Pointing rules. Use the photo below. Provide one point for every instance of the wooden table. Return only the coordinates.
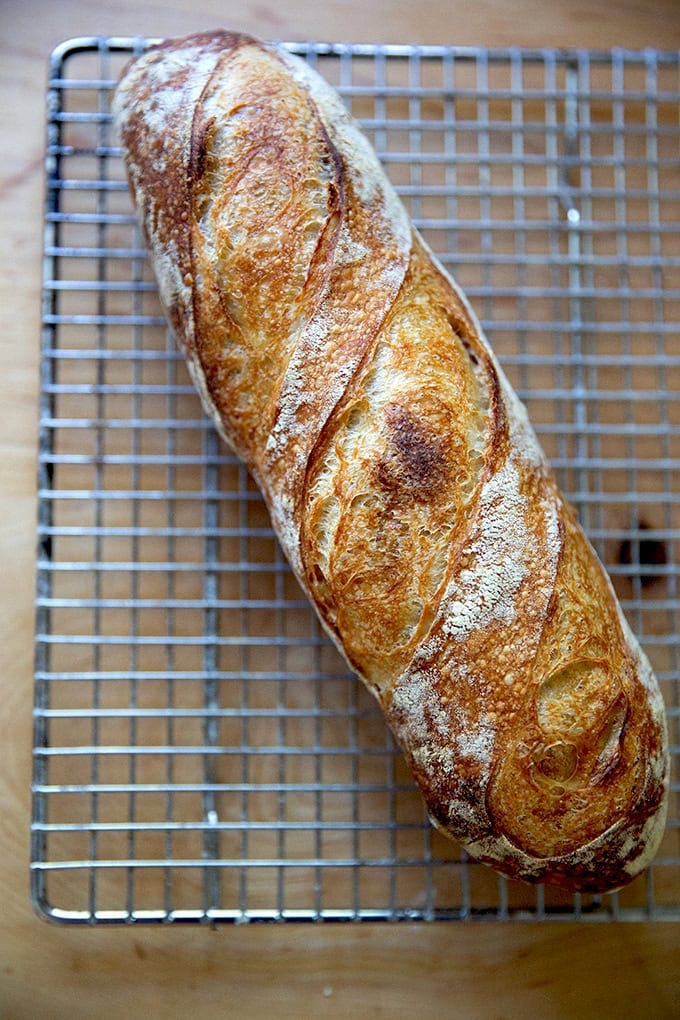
(490, 970)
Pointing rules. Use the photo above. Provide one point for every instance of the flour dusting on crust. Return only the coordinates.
(440, 747)
(485, 591)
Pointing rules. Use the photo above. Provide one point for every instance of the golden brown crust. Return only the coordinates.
(405, 483)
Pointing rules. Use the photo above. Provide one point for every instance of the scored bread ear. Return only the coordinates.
(404, 481)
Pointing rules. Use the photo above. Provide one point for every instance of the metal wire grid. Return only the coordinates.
(201, 753)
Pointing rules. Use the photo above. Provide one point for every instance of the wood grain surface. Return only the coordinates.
(474, 970)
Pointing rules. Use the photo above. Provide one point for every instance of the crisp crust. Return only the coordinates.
(404, 481)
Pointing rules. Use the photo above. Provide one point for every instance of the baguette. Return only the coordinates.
(408, 491)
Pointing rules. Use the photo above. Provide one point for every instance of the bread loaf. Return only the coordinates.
(343, 365)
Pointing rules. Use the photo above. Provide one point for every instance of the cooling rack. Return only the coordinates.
(201, 752)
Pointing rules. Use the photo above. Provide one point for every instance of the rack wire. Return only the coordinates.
(201, 753)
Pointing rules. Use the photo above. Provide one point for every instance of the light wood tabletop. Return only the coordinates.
(423, 970)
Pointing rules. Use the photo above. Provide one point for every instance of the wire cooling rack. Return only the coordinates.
(201, 752)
